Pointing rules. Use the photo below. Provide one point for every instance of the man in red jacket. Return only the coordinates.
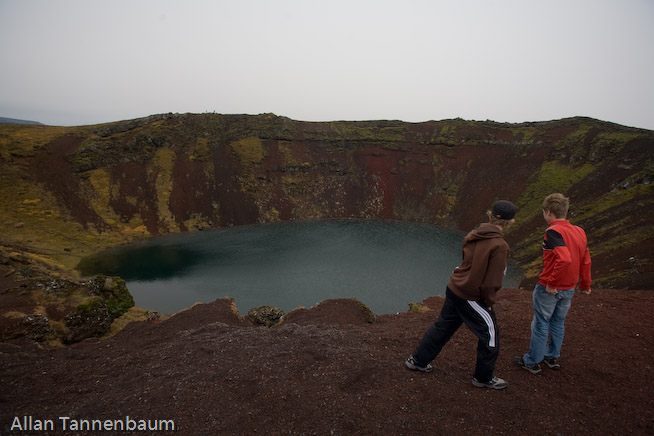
(566, 261)
(470, 296)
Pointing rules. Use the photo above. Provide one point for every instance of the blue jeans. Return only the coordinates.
(549, 317)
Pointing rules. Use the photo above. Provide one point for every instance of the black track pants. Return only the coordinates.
(480, 321)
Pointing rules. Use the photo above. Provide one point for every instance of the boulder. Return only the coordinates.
(114, 292)
(90, 320)
(265, 315)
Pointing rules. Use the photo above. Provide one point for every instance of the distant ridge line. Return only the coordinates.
(17, 121)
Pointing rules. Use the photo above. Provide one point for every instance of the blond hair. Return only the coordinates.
(505, 224)
(557, 204)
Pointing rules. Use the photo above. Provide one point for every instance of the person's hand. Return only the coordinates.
(551, 291)
(586, 291)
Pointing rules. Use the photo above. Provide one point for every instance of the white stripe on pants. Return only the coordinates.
(487, 318)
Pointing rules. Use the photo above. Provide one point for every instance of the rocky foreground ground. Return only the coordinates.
(328, 371)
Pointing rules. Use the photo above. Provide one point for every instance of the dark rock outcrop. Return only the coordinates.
(90, 320)
(114, 292)
(55, 310)
(265, 315)
(33, 327)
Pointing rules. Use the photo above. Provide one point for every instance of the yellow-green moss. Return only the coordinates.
(30, 217)
(101, 184)
(446, 135)
(615, 198)
(552, 177)
(132, 315)
(162, 169)
(114, 292)
(200, 151)
(437, 162)
(197, 221)
(527, 133)
(370, 316)
(362, 132)
(89, 305)
(418, 308)
(271, 216)
(286, 151)
(576, 137)
(23, 139)
(610, 238)
(614, 140)
(249, 151)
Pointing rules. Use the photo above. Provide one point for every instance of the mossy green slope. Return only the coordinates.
(71, 191)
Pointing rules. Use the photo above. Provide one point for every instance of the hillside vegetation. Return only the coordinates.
(70, 191)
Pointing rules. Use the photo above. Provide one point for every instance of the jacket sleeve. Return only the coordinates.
(585, 271)
(497, 262)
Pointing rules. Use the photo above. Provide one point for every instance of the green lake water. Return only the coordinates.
(384, 264)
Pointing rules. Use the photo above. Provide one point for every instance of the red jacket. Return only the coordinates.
(566, 258)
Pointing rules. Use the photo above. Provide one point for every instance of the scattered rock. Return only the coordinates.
(33, 327)
(91, 320)
(55, 285)
(265, 315)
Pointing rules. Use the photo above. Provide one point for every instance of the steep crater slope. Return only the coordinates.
(68, 192)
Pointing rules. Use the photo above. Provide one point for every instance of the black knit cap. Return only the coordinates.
(504, 210)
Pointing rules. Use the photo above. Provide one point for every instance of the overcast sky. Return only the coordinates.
(74, 62)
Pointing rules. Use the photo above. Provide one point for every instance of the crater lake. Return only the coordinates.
(384, 264)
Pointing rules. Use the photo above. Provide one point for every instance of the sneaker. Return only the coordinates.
(534, 369)
(494, 383)
(552, 363)
(411, 363)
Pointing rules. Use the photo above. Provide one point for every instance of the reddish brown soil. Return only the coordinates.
(326, 371)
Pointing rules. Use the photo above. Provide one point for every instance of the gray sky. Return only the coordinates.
(73, 62)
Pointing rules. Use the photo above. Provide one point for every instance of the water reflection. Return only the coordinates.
(143, 263)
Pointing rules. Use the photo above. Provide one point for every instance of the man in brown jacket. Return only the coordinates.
(469, 298)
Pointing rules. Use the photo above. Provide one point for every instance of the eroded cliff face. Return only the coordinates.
(68, 192)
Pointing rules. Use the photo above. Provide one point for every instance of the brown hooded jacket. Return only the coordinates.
(482, 270)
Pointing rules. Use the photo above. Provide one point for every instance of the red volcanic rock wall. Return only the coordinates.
(171, 173)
